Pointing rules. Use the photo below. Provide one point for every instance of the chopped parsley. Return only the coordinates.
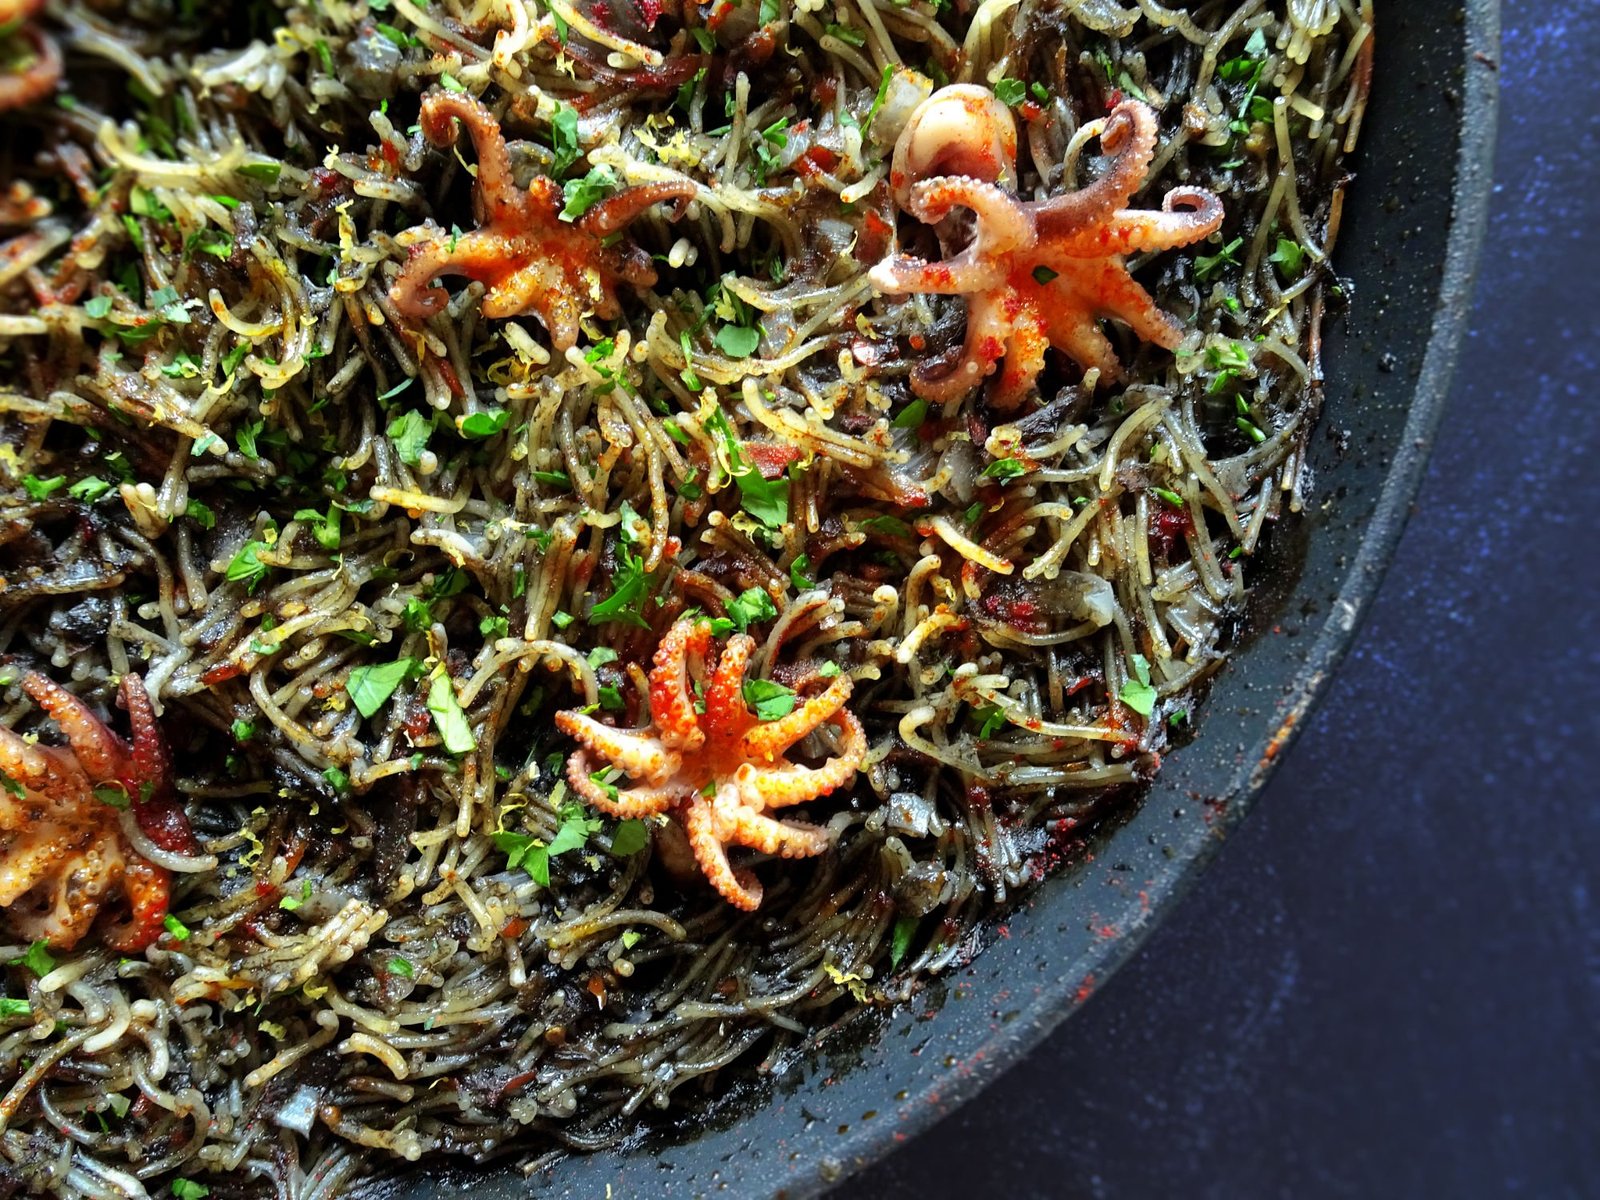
(295, 900)
(369, 687)
(912, 415)
(630, 588)
(738, 341)
(1010, 92)
(1137, 693)
(1207, 265)
(247, 567)
(1005, 468)
(583, 194)
(37, 959)
(750, 606)
(905, 928)
(409, 432)
(484, 424)
(40, 489)
(631, 837)
(1290, 258)
(564, 139)
(767, 500)
(448, 716)
(768, 700)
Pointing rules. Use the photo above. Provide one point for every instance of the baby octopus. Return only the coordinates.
(719, 773)
(63, 854)
(528, 256)
(1036, 274)
(30, 63)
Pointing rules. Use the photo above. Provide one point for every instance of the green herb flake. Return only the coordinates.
(768, 700)
(583, 194)
(247, 567)
(767, 500)
(751, 606)
(1137, 693)
(293, 901)
(905, 928)
(1005, 468)
(37, 959)
(1207, 265)
(402, 967)
(10, 1006)
(630, 586)
(575, 828)
(409, 432)
(264, 172)
(1290, 258)
(112, 795)
(991, 719)
(448, 717)
(1010, 92)
(484, 424)
(912, 415)
(888, 526)
(1043, 275)
(369, 687)
(176, 927)
(631, 837)
(188, 1189)
(40, 489)
(564, 139)
(738, 341)
(797, 573)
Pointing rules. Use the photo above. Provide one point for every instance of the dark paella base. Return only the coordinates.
(1416, 218)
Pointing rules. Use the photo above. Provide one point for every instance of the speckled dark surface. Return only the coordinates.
(1389, 982)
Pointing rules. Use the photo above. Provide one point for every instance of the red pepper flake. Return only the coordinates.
(771, 458)
(451, 379)
(815, 160)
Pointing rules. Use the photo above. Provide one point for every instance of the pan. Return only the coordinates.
(1414, 224)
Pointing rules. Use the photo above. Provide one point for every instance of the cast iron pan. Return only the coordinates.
(1411, 237)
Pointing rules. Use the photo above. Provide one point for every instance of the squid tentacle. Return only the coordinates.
(624, 803)
(739, 888)
(1129, 133)
(637, 753)
(612, 213)
(768, 740)
(671, 704)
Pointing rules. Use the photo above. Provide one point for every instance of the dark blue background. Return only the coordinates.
(1389, 983)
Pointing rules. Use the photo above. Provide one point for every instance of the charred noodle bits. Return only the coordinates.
(616, 536)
